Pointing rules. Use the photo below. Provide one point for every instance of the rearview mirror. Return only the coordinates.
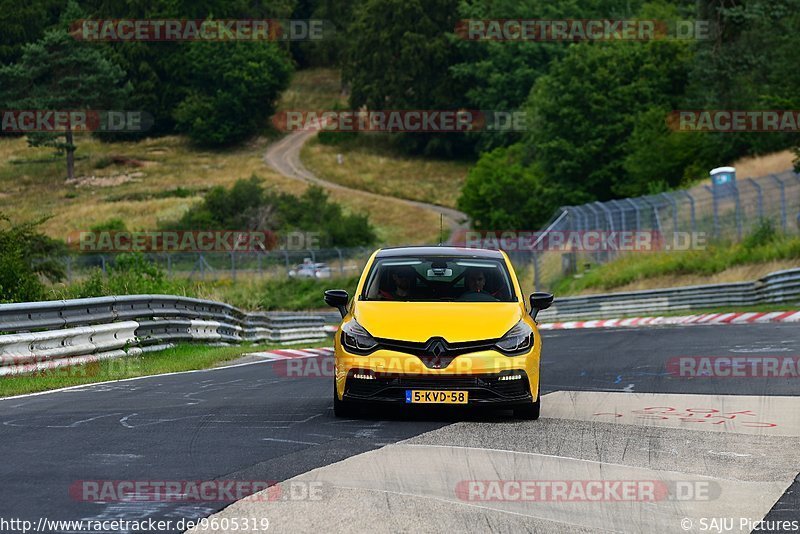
(540, 301)
(337, 298)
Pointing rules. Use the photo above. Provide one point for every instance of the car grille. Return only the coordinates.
(436, 353)
(480, 387)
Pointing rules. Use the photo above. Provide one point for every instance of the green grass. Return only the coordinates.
(715, 259)
(183, 357)
(253, 295)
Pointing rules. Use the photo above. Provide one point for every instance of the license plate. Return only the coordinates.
(436, 397)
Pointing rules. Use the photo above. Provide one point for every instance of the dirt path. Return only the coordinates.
(284, 157)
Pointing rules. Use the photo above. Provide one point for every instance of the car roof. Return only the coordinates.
(398, 252)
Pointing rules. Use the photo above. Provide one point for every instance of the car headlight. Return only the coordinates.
(517, 340)
(356, 339)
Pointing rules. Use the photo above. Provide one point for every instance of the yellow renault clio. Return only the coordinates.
(437, 325)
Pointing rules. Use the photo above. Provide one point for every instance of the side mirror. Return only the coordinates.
(540, 301)
(337, 298)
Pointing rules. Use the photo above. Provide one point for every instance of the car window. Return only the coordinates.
(439, 278)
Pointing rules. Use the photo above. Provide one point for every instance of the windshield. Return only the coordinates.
(439, 279)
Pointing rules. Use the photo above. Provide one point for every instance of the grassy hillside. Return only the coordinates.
(158, 179)
(719, 263)
(369, 163)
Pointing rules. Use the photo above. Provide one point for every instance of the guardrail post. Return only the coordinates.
(716, 211)
(341, 261)
(286, 259)
(672, 201)
(582, 219)
(609, 217)
(233, 266)
(783, 200)
(596, 227)
(103, 264)
(738, 212)
(760, 195)
(596, 216)
(621, 210)
(636, 211)
(169, 265)
(655, 213)
(692, 214)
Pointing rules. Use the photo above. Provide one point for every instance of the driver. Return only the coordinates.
(475, 280)
(475, 283)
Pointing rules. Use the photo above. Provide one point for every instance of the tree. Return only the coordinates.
(231, 90)
(583, 111)
(498, 75)
(751, 64)
(59, 73)
(398, 57)
(503, 192)
(23, 22)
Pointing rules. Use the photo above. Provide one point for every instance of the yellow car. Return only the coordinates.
(437, 325)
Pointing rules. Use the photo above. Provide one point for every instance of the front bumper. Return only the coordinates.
(478, 373)
(483, 388)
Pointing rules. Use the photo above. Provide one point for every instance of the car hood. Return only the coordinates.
(454, 321)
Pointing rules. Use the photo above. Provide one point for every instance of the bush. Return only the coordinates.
(130, 274)
(763, 233)
(27, 256)
(112, 225)
(248, 206)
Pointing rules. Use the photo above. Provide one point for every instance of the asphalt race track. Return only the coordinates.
(612, 412)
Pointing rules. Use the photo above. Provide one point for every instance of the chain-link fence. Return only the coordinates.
(321, 263)
(704, 214)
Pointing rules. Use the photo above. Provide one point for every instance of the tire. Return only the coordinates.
(341, 408)
(531, 411)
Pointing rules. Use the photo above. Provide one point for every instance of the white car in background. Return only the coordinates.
(311, 270)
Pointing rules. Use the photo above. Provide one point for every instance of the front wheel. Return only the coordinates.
(341, 408)
(530, 411)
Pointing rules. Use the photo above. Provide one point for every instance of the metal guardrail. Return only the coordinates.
(37, 335)
(781, 287)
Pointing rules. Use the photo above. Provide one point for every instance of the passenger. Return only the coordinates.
(403, 278)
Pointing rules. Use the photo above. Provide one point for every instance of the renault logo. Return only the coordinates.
(438, 348)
